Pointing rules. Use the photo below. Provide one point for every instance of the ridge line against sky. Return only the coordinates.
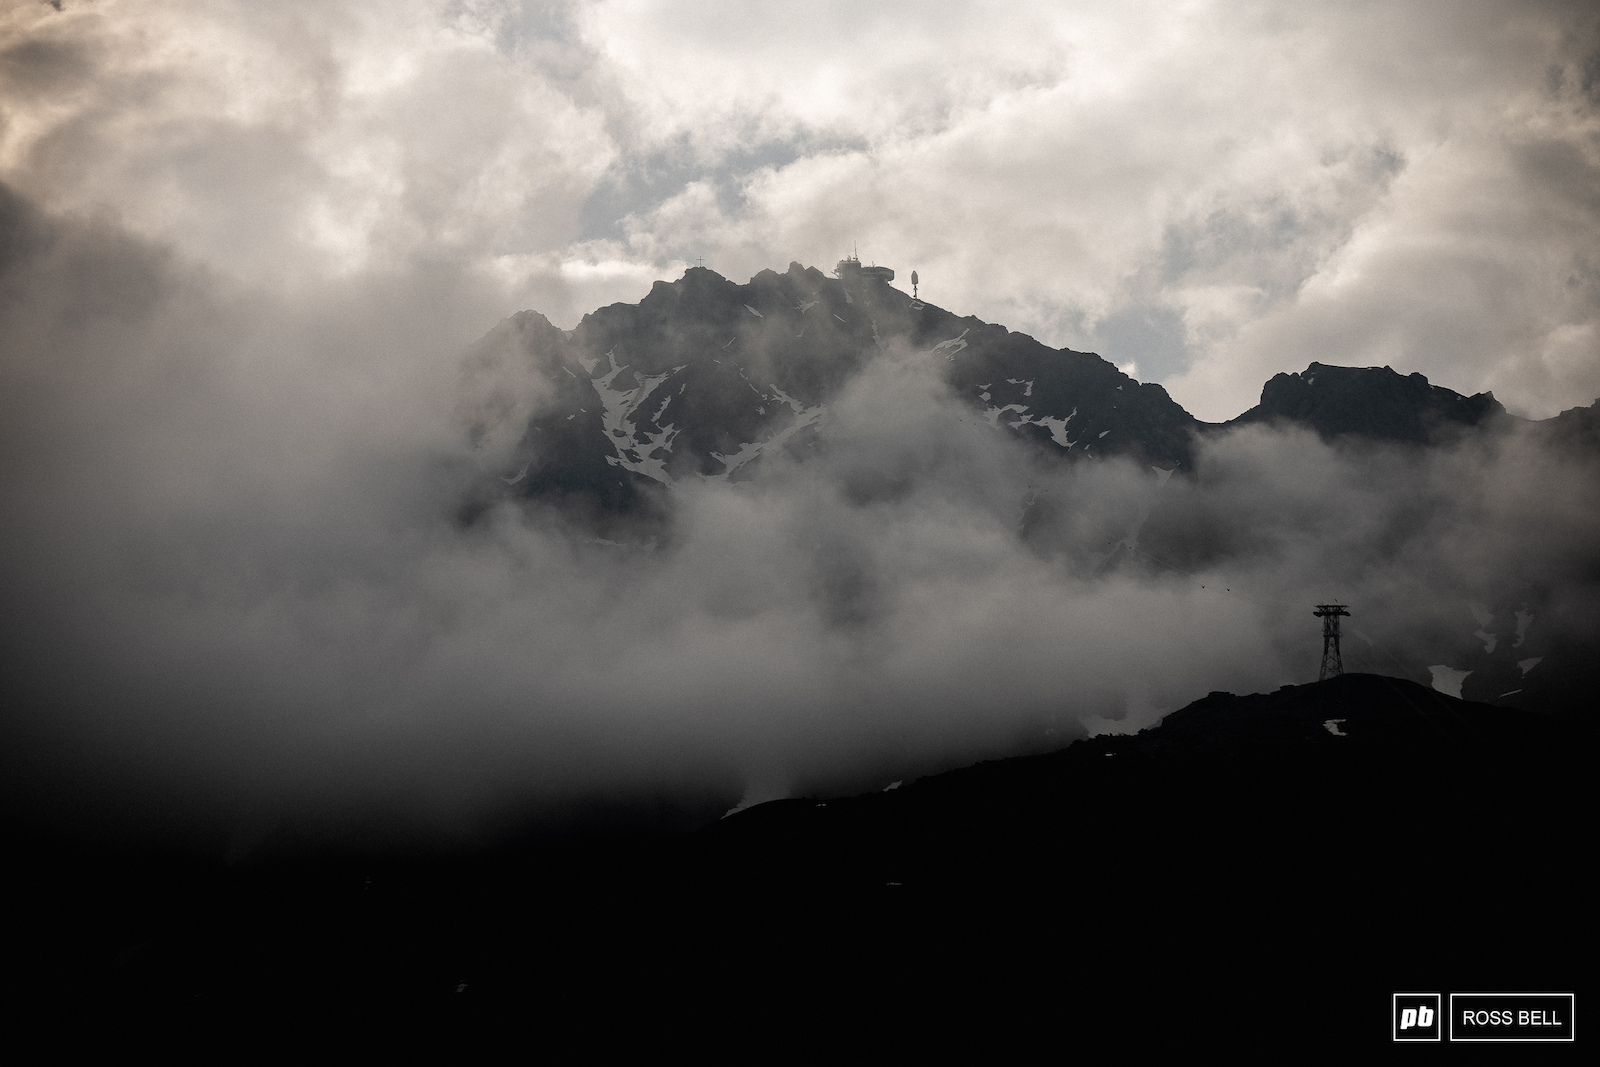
(1206, 194)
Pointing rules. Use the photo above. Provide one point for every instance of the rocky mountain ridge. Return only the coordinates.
(704, 377)
(1377, 403)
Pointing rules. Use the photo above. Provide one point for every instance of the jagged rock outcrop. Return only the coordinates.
(1375, 403)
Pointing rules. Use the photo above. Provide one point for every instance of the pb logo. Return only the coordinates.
(1410, 1017)
(1416, 1017)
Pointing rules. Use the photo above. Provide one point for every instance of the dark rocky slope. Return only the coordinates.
(1241, 874)
(1375, 403)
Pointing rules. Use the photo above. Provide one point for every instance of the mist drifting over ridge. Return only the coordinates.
(242, 600)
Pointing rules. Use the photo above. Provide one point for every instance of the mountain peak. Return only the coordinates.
(704, 377)
(1372, 402)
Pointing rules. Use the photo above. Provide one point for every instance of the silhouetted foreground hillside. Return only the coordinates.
(1265, 868)
(1296, 856)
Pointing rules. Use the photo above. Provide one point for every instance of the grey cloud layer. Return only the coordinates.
(1359, 186)
(237, 595)
(244, 246)
(1213, 194)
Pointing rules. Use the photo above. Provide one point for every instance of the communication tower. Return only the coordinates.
(1330, 615)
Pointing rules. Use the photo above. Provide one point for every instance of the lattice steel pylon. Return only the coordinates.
(1331, 664)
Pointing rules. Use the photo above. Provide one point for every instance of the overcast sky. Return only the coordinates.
(244, 247)
(1213, 192)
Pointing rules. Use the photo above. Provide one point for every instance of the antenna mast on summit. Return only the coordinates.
(1331, 663)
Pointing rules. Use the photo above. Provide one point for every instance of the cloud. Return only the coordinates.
(1476, 270)
(1220, 171)
(290, 147)
(244, 249)
(238, 595)
(1214, 193)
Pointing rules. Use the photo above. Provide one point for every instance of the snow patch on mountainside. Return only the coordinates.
(1447, 680)
(648, 458)
(1056, 426)
(993, 414)
(794, 405)
(754, 450)
(954, 345)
